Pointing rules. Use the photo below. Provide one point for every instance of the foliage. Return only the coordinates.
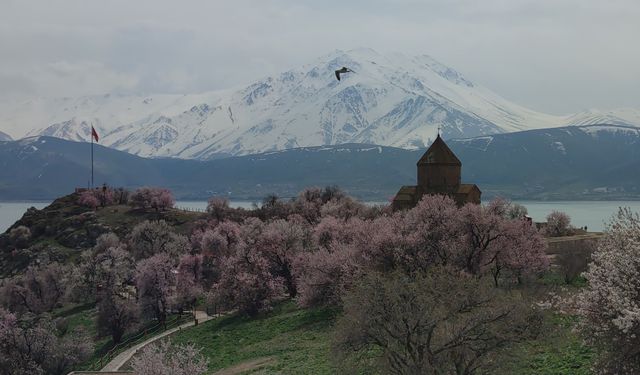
(218, 208)
(610, 304)
(34, 347)
(153, 237)
(151, 197)
(116, 316)
(558, 224)
(188, 281)
(477, 240)
(164, 359)
(108, 267)
(246, 282)
(40, 289)
(20, 236)
(154, 282)
(104, 196)
(281, 242)
(440, 322)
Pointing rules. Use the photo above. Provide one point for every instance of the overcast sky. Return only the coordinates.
(557, 56)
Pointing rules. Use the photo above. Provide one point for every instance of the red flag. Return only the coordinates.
(94, 134)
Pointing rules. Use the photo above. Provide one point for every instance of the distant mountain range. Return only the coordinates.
(581, 162)
(5, 137)
(390, 100)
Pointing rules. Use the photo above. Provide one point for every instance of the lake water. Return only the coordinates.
(12, 211)
(591, 214)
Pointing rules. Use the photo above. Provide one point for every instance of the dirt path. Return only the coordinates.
(246, 366)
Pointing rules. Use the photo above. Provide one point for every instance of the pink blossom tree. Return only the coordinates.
(154, 281)
(189, 281)
(343, 207)
(117, 314)
(112, 272)
(93, 198)
(38, 348)
(165, 359)
(610, 303)
(492, 243)
(282, 242)
(308, 204)
(88, 198)
(152, 237)
(162, 200)
(218, 208)
(107, 265)
(521, 252)
(150, 197)
(246, 282)
(326, 274)
(430, 234)
(40, 289)
(558, 224)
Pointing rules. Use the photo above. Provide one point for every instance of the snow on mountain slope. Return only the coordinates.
(64, 117)
(391, 100)
(624, 116)
(5, 137)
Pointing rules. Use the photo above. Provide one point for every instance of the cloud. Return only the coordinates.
(66, 79)
(552, 55)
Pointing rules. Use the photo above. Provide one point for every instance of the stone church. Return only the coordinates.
(439, 172)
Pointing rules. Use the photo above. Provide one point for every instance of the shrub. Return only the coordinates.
(152, 237)
(164, 359)
(155, 281)
(40, 289)
(93, 198)
(440, 322)
(149, 197)
(38, 348)
(558, 224)
(610, 304)
(20, 236)
(218, 208)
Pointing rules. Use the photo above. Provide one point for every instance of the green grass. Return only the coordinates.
(298, 340)
(557, 351)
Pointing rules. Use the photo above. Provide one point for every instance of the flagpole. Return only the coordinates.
(92, 157)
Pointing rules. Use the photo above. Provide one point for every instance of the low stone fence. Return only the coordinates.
(570, 255)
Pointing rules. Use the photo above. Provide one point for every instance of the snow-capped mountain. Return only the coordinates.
(391, 100)
(5, 137)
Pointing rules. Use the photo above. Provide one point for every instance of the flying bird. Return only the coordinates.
(343, 70)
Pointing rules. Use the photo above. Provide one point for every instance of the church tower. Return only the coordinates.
(439, 169)
(439, 172)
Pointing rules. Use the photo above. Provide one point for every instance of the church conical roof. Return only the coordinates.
(439, 153)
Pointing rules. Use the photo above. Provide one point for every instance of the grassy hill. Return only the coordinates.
(289, 340)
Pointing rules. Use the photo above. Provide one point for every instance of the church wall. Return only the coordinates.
(439, 176)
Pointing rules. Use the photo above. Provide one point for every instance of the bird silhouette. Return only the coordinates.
(343, 70)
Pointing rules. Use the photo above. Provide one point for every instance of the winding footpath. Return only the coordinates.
(119, 361)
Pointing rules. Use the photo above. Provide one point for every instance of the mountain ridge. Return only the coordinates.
(585, 162)
(393, 100)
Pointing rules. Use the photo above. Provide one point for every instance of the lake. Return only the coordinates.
(592, 214)
(12, 211)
